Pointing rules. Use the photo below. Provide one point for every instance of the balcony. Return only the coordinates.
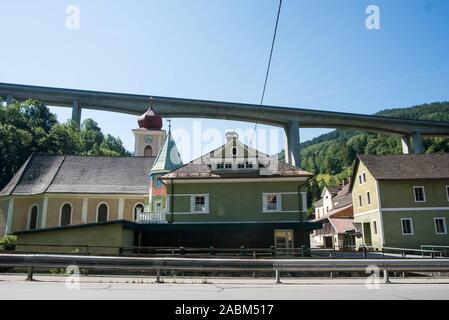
(151, 217)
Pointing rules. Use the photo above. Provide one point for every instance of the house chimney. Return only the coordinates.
(230, 136)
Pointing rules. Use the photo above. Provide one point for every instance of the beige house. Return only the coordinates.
(335, 213)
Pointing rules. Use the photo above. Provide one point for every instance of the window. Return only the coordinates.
(407, 226)
(158, 207)
(234, 152)
(440, 226)
(139, 208)
(447, 192)
(66, 215)
(368, 198)
(32, 218)
(364, 177)
(420, 194)
(283, 239)
(102, 212)
(148, 151)
(249, 165)
(158, 183)
(375, 227)
(228, 165)
(200, 204)
(360, 179)
(272, 203)
(241, 166)
(360, 201)
(220, 166)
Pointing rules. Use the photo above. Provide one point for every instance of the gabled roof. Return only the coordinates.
(407, 166)
(341, 226)
(201, 168)
(168, 158)
(43, 173)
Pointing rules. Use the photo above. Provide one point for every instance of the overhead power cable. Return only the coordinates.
(269, 65)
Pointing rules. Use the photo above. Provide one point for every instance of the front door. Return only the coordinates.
(367, 234)
(283, 241)
(328, 243)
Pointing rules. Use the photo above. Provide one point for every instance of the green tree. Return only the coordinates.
(29, 127)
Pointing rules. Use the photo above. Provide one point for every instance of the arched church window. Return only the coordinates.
(148, 152)
(102, 213)
(139, 208)
(66, 215)
(32, 224)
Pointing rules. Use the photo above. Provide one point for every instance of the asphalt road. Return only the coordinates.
(49, 288)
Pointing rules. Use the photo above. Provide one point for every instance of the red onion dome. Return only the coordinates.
(150, 120)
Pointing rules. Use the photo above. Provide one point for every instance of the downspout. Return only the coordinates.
(300, 200)
(172, 202)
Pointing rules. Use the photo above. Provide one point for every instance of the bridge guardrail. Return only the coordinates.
(234, 265)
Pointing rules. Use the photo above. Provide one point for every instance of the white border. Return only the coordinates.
(435, 224)
(71, 213)
(98, 207)
(29, 216)
(423, 191)
(411, 225)
(134, 209)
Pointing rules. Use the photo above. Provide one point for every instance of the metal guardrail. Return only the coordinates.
(407, 252)
(141, 251)
(234, 265)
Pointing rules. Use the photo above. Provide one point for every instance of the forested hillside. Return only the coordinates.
(30, 127)
(332, 155)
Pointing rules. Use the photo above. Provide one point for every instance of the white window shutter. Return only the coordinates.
(279, 202)
(167, 203)
(304, 201)
(264, 203)
(206, 203)
(192, 204)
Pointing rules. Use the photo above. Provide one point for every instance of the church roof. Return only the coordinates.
(43, 173)
(168, 158)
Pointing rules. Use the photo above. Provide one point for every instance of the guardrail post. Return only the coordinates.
(158, 276)
(211, 251)
(386, 278)
(278, 277)
(182, 251)
(242, 251)
(30, 273)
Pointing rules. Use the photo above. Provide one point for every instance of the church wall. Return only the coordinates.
(21, 211)
(3, 215)
(54, 210)
(128, 213)
(93, 204)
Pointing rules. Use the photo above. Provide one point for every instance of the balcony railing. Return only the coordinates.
(151, 217)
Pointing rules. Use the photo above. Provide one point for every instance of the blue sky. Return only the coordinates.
(325, 57)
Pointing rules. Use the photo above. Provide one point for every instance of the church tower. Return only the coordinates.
(167, 160)
(150, 136)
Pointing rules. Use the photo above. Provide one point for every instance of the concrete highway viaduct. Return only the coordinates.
(291, 119)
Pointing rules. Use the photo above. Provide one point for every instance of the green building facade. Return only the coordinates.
(402, 201)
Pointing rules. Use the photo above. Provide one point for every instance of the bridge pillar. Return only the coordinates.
(76, 112)
(406, 145)
(9, 99)
(418, 143)
(292, 147)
